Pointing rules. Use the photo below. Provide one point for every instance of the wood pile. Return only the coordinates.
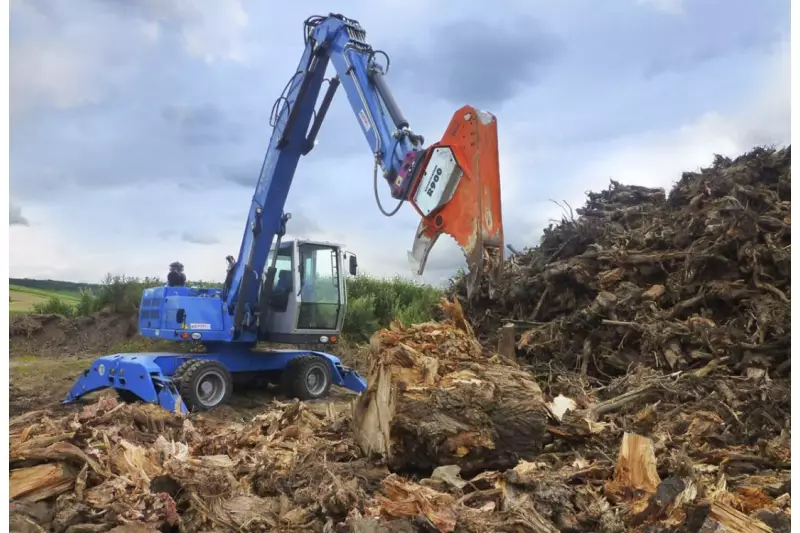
(649, 452)
(647, 391)
(700, 277)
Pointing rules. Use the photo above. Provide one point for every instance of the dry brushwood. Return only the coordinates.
(674, 283)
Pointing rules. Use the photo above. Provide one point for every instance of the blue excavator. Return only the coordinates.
(292, 292)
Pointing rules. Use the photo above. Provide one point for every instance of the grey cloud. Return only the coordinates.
(473, 61)
(41, 8)
(679, 58)
(50, 67)
(244, 176)
(212, 30)
(682, 44)
(194, 237)
(15, 217)
(302, 225)
(202, 125)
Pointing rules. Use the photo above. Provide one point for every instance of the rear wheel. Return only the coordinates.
(205, 384)
(178, 374)
(308, 377)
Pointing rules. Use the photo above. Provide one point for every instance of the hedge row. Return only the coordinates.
(372, 302)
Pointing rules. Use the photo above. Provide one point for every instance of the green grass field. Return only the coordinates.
(24, 298)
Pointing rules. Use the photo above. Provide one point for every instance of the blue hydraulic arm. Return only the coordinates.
(398, 153)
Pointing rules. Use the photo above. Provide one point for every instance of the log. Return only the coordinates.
(40, 482)
(506, 346)
(435, 399)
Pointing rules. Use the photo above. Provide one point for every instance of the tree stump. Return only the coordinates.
(434, 398)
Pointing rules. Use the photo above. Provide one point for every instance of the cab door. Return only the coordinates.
(321, 294)
(279, 314)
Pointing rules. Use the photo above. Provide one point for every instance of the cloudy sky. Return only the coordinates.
(138, 127)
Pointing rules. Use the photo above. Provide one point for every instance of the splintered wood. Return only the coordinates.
(40, 482)
(435, 398)
(635, 471)
(297, 468)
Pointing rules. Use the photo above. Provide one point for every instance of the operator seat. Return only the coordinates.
(283, 288)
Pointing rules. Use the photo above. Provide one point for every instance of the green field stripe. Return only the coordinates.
(64, 295)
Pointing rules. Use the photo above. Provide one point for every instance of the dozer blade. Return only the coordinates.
(458, 193)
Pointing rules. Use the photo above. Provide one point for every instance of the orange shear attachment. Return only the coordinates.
(457, 192)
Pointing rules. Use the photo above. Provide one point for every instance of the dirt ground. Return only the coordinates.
(40, 382)
(57, 336)
(48, 352)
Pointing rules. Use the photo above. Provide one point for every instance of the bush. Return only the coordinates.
(122, 294)
(87, 304)
(372, 303)
(54, 306)
(360, 321)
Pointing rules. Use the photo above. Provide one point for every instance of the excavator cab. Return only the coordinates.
(307, 301)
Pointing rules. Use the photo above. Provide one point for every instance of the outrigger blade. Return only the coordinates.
(458, 193)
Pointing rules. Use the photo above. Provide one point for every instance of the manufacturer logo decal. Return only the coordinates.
(364, 120)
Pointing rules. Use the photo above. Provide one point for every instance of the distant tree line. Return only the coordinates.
(53, 285)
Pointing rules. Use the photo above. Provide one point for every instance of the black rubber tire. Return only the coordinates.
(180, 371)
(191, 377)
(297, 373)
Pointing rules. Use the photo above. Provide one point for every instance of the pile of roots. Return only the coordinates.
(674, 283)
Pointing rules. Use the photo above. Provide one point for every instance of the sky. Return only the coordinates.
(138, 127)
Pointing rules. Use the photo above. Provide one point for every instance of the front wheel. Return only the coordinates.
(205, 384)
(308, 377)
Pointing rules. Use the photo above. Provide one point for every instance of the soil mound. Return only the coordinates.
(55, 335)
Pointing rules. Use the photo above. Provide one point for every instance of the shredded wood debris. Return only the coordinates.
(649, 392)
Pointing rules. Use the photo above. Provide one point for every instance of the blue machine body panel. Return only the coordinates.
(158, 313)
(147, 375)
